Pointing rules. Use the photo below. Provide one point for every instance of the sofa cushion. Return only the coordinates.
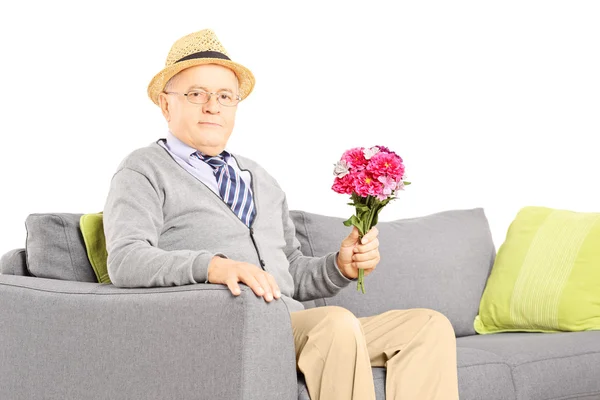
(481, 375)
(546, 277)
(379, 375)
(562, 365)
(92, 230)
(439, 261)
(13, 262)
(55, 248)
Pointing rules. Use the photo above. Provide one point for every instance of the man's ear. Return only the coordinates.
(163, 102)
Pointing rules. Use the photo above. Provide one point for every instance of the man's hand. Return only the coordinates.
(353, 255)
(230, 272)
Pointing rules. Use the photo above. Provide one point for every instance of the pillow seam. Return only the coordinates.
(69, 247)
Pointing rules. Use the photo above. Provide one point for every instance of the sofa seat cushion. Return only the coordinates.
(545, 365)
(378, 380)
(439, 261)
(481, 375)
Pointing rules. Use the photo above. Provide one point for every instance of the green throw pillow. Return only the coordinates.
(92, 230)
(546, 276)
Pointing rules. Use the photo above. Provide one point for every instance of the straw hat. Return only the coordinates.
(202, 47)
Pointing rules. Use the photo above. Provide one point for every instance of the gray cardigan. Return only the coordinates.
(163, 226)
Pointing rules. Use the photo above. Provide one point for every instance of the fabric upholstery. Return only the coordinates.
(14, 262)
(481, 375)
(168, 342)
(562, 365)
(79, 340)
(55, 248)
(425, 262)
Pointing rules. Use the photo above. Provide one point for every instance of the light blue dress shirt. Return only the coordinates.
(182, 153)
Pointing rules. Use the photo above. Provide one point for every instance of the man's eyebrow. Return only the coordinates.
(202, 87)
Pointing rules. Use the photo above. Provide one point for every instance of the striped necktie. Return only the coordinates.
(232, 187)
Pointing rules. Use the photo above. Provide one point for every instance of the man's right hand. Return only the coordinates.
(230, 272)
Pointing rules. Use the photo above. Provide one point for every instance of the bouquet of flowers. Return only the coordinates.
(372, 176)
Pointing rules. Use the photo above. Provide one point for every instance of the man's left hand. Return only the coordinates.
(354, 255)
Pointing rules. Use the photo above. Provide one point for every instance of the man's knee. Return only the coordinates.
(435, 319)
(342, 320)
(441, 322)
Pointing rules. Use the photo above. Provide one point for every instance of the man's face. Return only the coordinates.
(189, 122)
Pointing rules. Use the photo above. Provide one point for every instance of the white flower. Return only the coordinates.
(371, 152)
(341, 168)
(400, 185)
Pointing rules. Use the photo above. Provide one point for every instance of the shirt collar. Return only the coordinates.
(182, 150)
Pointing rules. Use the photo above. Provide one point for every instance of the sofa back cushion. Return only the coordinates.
(13, 262)
(55, 248)
(439, 261)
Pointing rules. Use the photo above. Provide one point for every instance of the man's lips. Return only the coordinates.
(209, 123)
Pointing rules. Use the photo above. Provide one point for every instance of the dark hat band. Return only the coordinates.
(204, 54)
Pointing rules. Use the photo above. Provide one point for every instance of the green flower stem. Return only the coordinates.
(365, 226)
(367, 210)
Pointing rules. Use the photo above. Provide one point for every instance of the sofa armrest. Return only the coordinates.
(81, 340)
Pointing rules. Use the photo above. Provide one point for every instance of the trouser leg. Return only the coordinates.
(332, 354)
(418, 348)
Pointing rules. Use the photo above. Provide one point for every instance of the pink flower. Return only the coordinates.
(355, 158)
(341, 169)
(370, 152)
(344, 185)
(386, 150)
(365, 184)
(386, 164)
(389, 185)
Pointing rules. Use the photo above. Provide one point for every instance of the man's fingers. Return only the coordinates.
(261, 282)
(233, 287)
(366, 265)
(274, 286)
(369, 236)
(363, 248)
(250, 280)
(369, 255)
(264, 282)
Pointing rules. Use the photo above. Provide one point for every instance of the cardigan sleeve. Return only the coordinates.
(314, 277)
(133, 221)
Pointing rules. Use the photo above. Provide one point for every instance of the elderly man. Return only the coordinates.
(183, 210)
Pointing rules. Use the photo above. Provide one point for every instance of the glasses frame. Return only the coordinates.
(210, 94)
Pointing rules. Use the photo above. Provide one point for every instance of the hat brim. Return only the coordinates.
(157, 84)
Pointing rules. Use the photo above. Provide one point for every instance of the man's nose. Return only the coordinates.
(212, 105)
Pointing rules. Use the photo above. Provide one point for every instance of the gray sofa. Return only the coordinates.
(65, 336)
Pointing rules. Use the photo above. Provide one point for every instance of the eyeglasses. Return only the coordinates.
(198, 96)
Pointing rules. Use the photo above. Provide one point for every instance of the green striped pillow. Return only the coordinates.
(92, 230)
(546, 276)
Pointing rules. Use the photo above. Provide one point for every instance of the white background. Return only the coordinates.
(491, 104)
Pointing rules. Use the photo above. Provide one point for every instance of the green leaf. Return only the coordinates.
(362, 207)
(353, 220)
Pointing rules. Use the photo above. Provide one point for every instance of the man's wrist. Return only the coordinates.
(338, 265)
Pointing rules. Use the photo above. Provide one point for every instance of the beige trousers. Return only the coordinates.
(335, 351)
